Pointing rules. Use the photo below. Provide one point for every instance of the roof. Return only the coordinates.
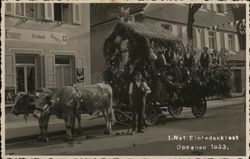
(147, 30)
(202, 18)
(104, 12)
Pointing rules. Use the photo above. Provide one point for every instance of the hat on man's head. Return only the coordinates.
(205, 48)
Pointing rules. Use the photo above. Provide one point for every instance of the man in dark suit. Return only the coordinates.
(205, 59)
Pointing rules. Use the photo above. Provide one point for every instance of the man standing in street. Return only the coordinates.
(138, 91)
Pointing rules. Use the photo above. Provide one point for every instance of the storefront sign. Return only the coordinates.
(36, 36)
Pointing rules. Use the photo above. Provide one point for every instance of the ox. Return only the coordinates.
(69, 102)
(26, 104)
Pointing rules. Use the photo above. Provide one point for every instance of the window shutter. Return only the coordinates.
(10, 70)
(206, 39)
(38, 71)
(224, 8)
(40, 10)
(184, 34)
(175, 32)
(214, 7)
(222, 41)
(76, 14)
(49, 71)
(79, 61)
(218, 41)
(49, 11)
(236, 40)
(198, 38)
(208, 6)
(194, 38)
(226, 41)
(9, 8)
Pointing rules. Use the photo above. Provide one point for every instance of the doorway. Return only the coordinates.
(63, 70)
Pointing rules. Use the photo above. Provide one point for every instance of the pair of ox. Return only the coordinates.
(67, 103)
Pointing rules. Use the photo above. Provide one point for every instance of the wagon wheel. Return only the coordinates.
(151, 115)
(175, 111)
(199, 109)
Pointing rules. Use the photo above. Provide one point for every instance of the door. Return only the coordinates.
(238, 81)
(63, 68)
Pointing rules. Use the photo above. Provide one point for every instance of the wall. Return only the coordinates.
(78, 40)
(97, 37)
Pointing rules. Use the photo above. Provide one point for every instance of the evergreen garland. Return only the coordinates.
(169, 83)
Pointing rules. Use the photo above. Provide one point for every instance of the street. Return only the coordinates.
(220, 132)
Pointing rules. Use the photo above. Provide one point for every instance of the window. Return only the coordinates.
(219, 8)
(26, 73)
(212, 40)
(20, 9)
(25, 59)
(167, 27)
(30, 10)
(231, 42)
(62, 59)
(63, 12)
(58, 12)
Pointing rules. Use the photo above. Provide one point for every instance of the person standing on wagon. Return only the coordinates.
(138, 91)
(205, 59)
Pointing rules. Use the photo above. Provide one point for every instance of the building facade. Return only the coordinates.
(172, 17)
(46, 45)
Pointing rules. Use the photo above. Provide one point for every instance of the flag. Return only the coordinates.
(193, 8)
(241, 30)
(239, 14)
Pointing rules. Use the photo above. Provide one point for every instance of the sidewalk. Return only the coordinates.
(16, 127)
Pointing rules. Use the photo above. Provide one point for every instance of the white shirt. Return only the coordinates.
(144, 87)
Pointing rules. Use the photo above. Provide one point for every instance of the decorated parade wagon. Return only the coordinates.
(142, 47)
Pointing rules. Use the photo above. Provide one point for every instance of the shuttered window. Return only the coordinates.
(62, 12)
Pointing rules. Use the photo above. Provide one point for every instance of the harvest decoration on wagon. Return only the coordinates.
(176, 79)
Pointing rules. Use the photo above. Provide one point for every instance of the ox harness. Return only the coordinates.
(45, 110)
